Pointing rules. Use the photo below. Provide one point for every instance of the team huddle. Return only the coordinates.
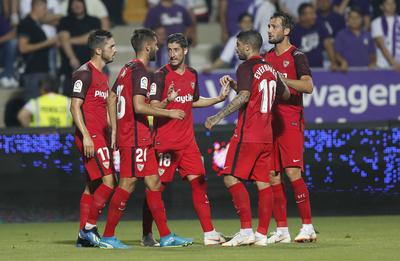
(268, 138)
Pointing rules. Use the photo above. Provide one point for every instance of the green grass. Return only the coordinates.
(339, 238)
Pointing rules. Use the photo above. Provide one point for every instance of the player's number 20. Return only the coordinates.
(268, 89)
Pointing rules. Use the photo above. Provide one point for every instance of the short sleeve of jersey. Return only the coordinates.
(159, 85)
(141, 81)
(81, 81)
(301, 63)
(244, 76)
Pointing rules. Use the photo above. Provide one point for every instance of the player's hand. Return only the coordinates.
(224, 92)
(212, 121)
(172, 94)
(113, 140)
(177, 114)
(88, 146)
(227, 80)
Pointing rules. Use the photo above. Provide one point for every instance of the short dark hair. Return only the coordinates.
(302, 7)
(178, 38)
(356, 10)
(251, 37)
(140, 37)
(243, 15)
(287, 20)
(35, 2)
(97, 39)
(49, 84)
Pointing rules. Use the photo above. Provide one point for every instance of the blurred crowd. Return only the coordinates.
(44, 41)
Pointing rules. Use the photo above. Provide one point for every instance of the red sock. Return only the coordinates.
(115, 210)
(279, 209)
(156, 206)
(241, 201)
(147, 217)
(100, 197)
(265, 205)
(201, 203)
(86, 202)
(302, 199)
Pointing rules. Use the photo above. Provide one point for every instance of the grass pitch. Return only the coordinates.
(339, 239)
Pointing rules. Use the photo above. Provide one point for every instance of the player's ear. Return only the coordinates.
(286, 31)
(98, 51)
(185, 51)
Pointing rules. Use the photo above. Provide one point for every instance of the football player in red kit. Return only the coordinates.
(288, 129)
(249, 153)
(131, 134)
(174, 140)
(89, 111)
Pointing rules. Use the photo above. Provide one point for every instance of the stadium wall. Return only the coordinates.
(350, 169)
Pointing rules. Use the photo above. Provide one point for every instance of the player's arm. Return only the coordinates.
(88, 146)
(205, 102)
(282, 88)
(240, 100)
(112, 113)
(226, 80)
(304, 84)
(141, 107)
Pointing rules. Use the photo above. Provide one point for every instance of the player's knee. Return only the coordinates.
(153, 182)
(127, 184)
(229, 181)
(274, 178)
(109, 181)
(293, 174)
(262, 185)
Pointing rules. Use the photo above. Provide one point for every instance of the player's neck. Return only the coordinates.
(143, 58)
(282, 47)
(98, 63)
(180, 69)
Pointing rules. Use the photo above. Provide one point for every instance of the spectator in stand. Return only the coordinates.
(10, 11)
(386, 33)
(343, 6)
(115, 10)
(34, 47)
(262, 14)
(162, 53)
(313, 38)
(228, 57)
(292, 6)
(74, 30)
(95, 8)
(8, 53)
(354, 46)
(50, 109)
(175, 18)
(229, 12)
(49, 25)
(333, 21)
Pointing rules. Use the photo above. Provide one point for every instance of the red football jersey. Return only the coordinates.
(132, 129)
(254, 121)
(169, 133)
(292, 64)
(91, 85)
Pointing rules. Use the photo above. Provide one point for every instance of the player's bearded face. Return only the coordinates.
(109, 50)
(176, 54)
(275, 31)
(241, 50)
(153, 50)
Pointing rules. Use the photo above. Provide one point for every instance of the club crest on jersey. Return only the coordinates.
(140, 166)
(144, 82)
(106, 164)
(161, 171)
(192, 84)
(286, 63)
(78, 86)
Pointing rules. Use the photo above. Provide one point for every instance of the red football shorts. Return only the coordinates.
(137, 162)
(100, 165)
(248, 161)
(188, 161)
(288, 148)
